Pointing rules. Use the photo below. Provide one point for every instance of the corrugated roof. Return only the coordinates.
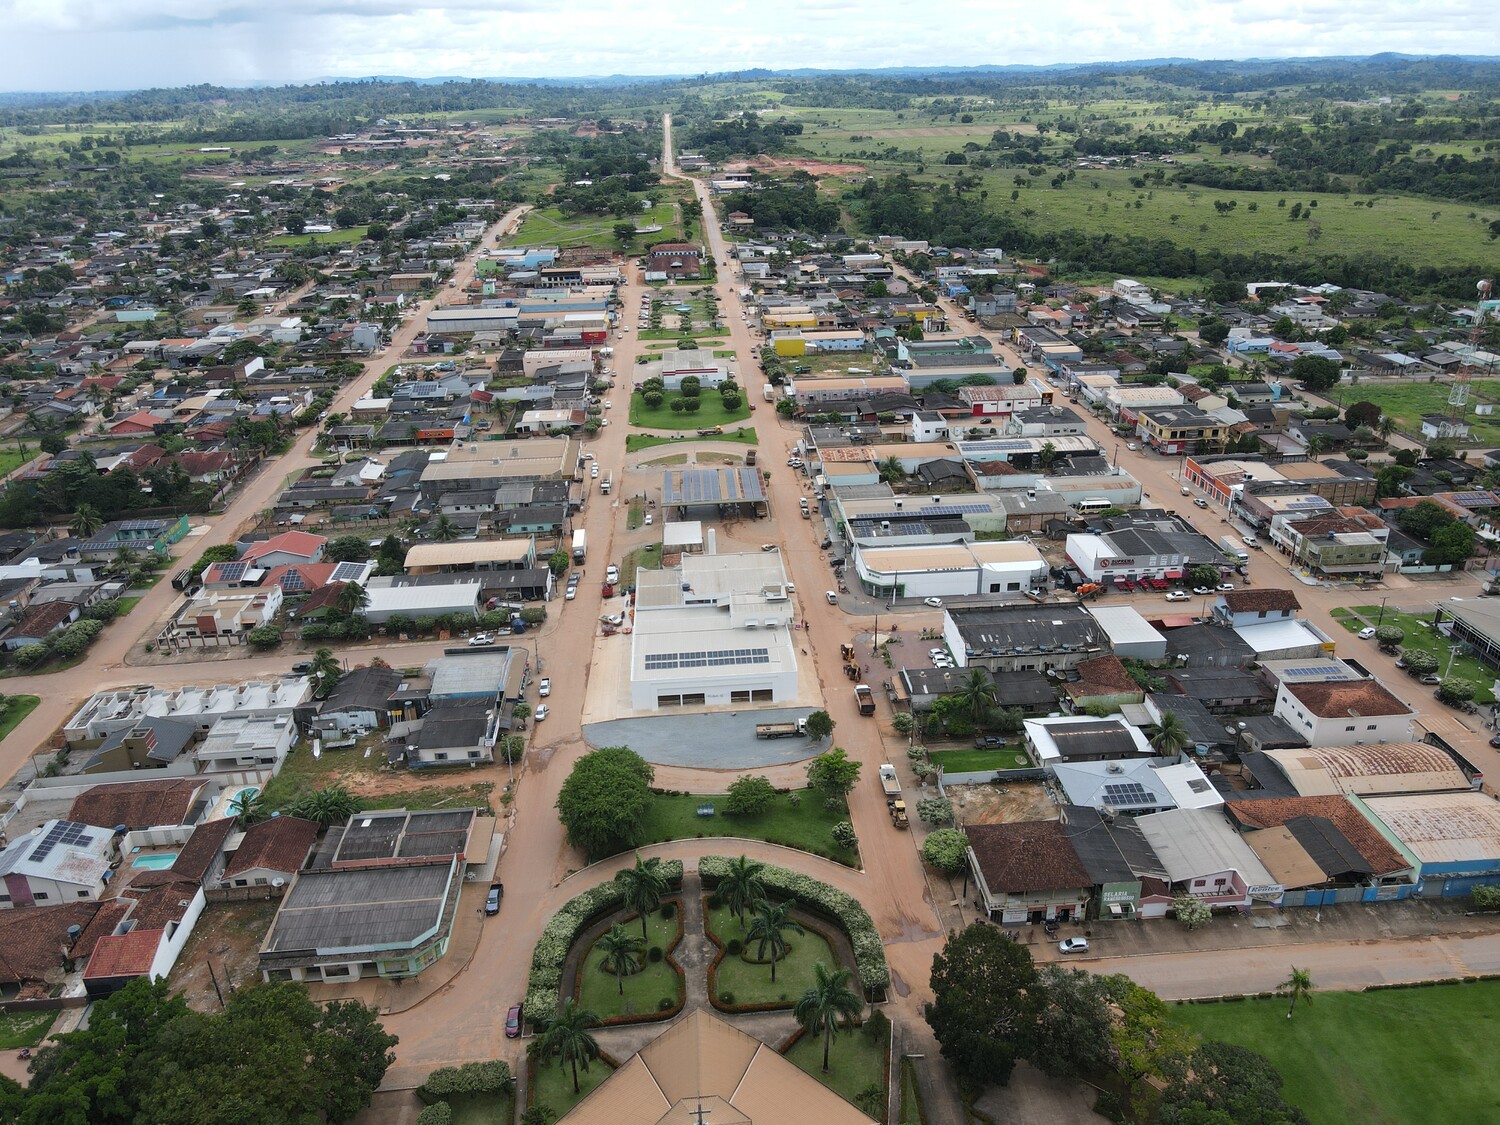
(1441, 828)
(1373, 769)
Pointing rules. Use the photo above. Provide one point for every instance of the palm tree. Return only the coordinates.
(333, 804)
(324, 672)
(621, 950)
(1047, 454)
(1169, 737)
(891, 470)
(352, 597)
(1298, 986)
(249, 807)
(741, 888)
(977, 697)
(445, 530)
(567, 1037)
(643, 886)
(768, 928)
(86, 521)
(827, 1004)
(1316, 445)
(1387, 425)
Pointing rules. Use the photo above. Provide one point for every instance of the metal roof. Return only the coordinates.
(369, 908)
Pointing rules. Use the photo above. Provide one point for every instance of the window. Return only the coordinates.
(39, 897)
(260, 881)
(83, 894)
(242, 882)
(1349, 727)
(473, 753)
(441, 756)
(1370, 727)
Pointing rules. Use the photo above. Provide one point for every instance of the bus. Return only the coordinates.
(1092, 504)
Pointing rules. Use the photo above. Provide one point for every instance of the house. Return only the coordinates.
(1027, 872)
(358, 702)
(1204, 857)
(456, 731)
(139, 423)
(38, 945)
(1083, 738)
(137, 805)
(237, 743)
(270, 853)
(1021, 638)
(1454, 838)
(59, 862)
(702, 1066)
(674, 261)
(1333, 713)
(288, 548)
(38, 621)
(1252, 607)
(1180, 429)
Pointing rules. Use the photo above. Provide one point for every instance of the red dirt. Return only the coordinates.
(781, 164)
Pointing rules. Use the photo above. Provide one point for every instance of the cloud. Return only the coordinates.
(115, 44)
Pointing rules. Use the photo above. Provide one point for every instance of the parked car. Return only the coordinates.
(1132, 446)
(650, 518)
(612, 574)
(1201, 590)
(1430, 678)
(480, 639)
(594, 472)
(935, 603)
(1250, 541)
(541, 713)
(833, 598)
(1367, 632)
(1178, 596)
(1199, 502)
(769, 547)
(492, 900)
(513, 1022)
(989, 743)
(1224, 587)
(1073, 945)
(571, 592)
(544, 686)
(302, 667)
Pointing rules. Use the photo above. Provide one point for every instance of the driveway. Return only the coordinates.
(713, 742)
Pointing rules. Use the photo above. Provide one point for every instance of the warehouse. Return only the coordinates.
(1020, 638)
(1131, 636)
(948, 570)
(464, 319)
(1452, 838)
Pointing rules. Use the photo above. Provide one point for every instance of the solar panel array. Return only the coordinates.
(1128, 793)
(1322, 672)
(927, 511)
(293, 582)
(1472, 499)
(232, 571)
(1014, 445)
(348, 572)
(713, 658)
(63, 834)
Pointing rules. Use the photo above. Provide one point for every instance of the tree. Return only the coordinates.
(567, 1037)
(1419, 661)
(348, 548)
(1169, 737)
(352, 598)
(604, 800)
(1389, 636)
(1218, 1082)
(985, 1005)
(521, 711)
(843, 835)
(1213, 331)
(86, 521)
(749, 795)
(558, 563)
(324, 672)
(1298, 986)
(740, 886)
(1451, 545)
(1315, 372)
(1193, 913)
(622, 951)
(1455, 690)
(1423, 519)
(1072, 1033)
(53, 443)
(820, 725)
(768, 929)
(642, 887)
(332, 804)
(1362, 413)
(444, 530)
(977, 697)
(1047, 454)
(832, 773)
(264, 637)
(935, 810)
(624, 233)
(830, 1004)
(891, 471)
(947, 849)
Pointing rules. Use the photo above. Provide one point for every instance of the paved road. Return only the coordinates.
(106, 666)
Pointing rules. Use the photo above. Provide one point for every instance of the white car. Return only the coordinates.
(612, 574)
(1178, 596)
(833, 599)
(608, 405)
(1073, 945)
(935, 603)
(478, 640)
(544, 686)
(1132, 446)
(1224, 587)
(1366, 633)
(1249, 541)
(541, 713)
(572, 592)
(594, 472)
(936, 653)
(650, 519)
(1202, 590)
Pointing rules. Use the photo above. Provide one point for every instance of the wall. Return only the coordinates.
(170, 948)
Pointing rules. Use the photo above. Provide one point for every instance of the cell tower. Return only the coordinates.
(1458, 394)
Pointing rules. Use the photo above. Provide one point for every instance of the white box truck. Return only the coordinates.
(769, 390)
(1234, 548)
(580, 545)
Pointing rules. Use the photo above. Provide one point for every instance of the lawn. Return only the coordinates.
(634, 443)
(750, 983)
(12, 459)
(1408, 400)
(710, 412)
(645, 990)
(1393, 1057)
(548, 226)
(482, 1109)
(17, 707)
(349, 235)
(303, 773)
(642, 558)
(972, 761)
(24, 1029)
(1421, 635)
(855, 1062)
(804, 825)
(554, 1084)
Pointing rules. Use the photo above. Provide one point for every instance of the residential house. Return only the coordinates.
(285, 549)
(1205, 858)
(270, 853)
(1333, 713)
(59, 862)
(1027, 872)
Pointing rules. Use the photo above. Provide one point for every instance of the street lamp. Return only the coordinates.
(1453, 650)
(1381, 616)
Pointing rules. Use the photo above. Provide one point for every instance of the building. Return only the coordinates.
(149, 803)
(1022, 638)
(948, 570)
(270, 853)
(1332, 713)
(1475, 621)
(700, 1069)
(1130, 635)
(1027, 872)
(714, 630)
(1083, 738)
(1180, 429)
(288, 548)
(358, 703)
(437, 600)
(456, 732)
(1244, 607)
(674, 261)
(1374, 770)
(1147, 545)
(1206, 858)
(237, 743)
(1454, 838)
(59, 862)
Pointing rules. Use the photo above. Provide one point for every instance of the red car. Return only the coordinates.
(513, 1022)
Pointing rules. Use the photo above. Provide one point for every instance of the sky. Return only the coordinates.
(51, 45)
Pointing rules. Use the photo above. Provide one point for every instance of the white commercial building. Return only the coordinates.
(715, 631)
(1334, 713)
(949, 570)
(436, 600)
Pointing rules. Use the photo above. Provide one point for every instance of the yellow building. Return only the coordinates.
(789, 343)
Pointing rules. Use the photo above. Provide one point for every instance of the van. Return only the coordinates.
(1092, 504)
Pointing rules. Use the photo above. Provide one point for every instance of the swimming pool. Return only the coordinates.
(238, 802)
(158, 862)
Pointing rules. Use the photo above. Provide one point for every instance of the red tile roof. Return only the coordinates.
(1254, 601)
(137, 804)
(31, 940)
(124, 955)
(294, 542)
(1033, 855)
(279, 844)
(1335, 700)
(1272, 812)
(39, 620)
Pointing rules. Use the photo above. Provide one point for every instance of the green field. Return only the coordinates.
(1407, 401)
(482, 1109)
(1421, 635)
(855, 1062)
(1397, 1057)
(644, 990)
(24, 1029)
(13, 459)
(750, 982)
(548, 226)
(804, 825)
(17, 707)
(554, 1084)
(710, 413)
(341, 237)
(303, 773)
(745, 435)
(972, 761)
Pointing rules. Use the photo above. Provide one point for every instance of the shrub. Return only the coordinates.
(654, 955)
(843, 909)
(668, 909)
(877, 1027)
(732, 947)
(438, 1114)
(843, 835)
(935, 810)
(1486, 898)
(492, 1077)
(726, 998)
(1192, 913)
(545, 980)
(714, 902)
(665, 1004)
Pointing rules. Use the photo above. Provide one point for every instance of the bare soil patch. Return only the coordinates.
(1002, 804)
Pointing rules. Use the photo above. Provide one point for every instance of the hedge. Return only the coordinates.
(543, 987)
(471, 1078)
(841, 908)
(438, 1114)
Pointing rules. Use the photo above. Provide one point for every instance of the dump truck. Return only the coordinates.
(580, 545)
(865, 698)
(781, 730)
(898, 814)
(890, 782)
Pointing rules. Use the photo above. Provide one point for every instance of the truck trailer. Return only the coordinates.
(580, 545)
(865, 698)
(890, 782)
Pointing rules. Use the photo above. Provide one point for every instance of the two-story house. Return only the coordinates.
(1238, 608)
(1332, 713)
(1180, 429)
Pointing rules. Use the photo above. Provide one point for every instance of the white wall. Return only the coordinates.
(171, 947)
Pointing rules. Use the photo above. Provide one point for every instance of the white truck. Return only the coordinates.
(890, 782)
(605, 484)
(580, 545)
(1234, 548)
(769, 390)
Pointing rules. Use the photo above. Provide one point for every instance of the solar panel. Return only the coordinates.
(348, 572)
(293, 581)
(1012, 445)
(1128, 793)
(232, 571)
(713, 658)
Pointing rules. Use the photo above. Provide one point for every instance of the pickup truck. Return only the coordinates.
(890, 782)
(865, 698)
(781, 730)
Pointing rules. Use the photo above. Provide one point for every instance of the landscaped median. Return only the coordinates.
(551, 953)
(739, 980)
(652, 988)
(822, 900)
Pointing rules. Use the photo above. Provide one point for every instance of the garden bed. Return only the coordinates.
(596, 989)
(857, 1060)
(739, 984)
